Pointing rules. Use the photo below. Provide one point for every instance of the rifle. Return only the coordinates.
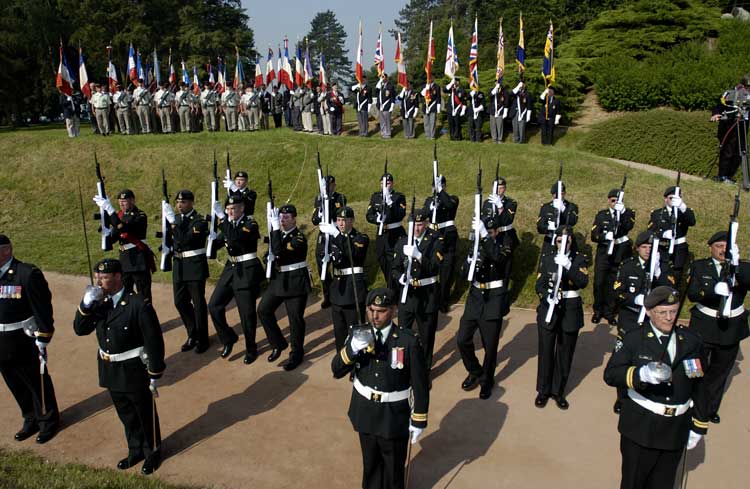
(653, 262)
(410, 242)
(166, 238)
(435, 174)
(558, 196)
(477, 215)
(214, 220)
(229, 173)
(270, 207)
(383, 192)
(495, 185)
(729, 269)
(620, 196)
(554, 294)
(675, 213)
(104, 220)
(325, 207)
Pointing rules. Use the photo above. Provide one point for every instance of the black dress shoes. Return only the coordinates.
(470, 383)
(617, 407)
(325, 304)
(188, 345)
(294, 362)
(227, 350)
(201, 348)
(46, 436)
(250, 357)
(485, 392)
(562, 403)
(612, 321)
(596, 318)
(715, 419)
(26, 432)
(128, 462)
(151, 464)
(275, 354)
(541, 400)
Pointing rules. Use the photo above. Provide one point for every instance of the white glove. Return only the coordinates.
(92, 294)
(619, 207)
(638, 300)
(463, 111)
(518, 88)
(438, 184)
(609, 236)
(558, 204)
(551, 301)
(667, 234)
(218, 210)
(450, 85)
(557, 119)
(735, 255)
(228, 183)
(648, 376)
(415, 433)
(388, 198)
(272, 215)
(693, 439)
(496, 200)
(104, 204)
(551, 226)
(412, 251)
(563, 260)
(42, 347)
(478, 226)
(402, 279)
(358, 344)
(677, 202)
(721, 288)
(528, 116)
(355, 87)
(329, 229)
(168, 212)
(544, 93)
(657, 267)
(107, 232)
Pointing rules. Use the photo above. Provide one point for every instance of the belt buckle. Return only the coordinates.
(233, 259)
(482, 285)
(376, 396)
(105, 356)
(669, 411)
(415, 282)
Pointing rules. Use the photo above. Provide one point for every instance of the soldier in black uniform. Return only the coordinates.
(423, 294)
(431, 107)
(289, 285)
(504, 208)
(559, 212)
(722, 328)
(129, 229)
(189, 231)
(130, 358)
(657, 422)
(663, 225)
(26, 328)
(486, 306)
(361, 102)
(336, 201)
(348, 272)
(497, 108)
(239, 186)
(476, 115)
(519, 113)
(441, 209)
(388, 370)
(610, 233)
(392, 212)
(548, 115)
(456, 107)
(241, 277)
(558, 337)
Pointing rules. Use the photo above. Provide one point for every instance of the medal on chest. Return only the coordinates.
(693, 368)
(11, 291)
(397, 357)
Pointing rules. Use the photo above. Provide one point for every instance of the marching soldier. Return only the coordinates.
(386, 100)
(336, 201)
(558, 336)
(456, 107)
(389, 209)
(431, 107)
(122, 101)
(101, 103)
(477, 101)
(498, 110)
(241, 278)
(142, 102)
(348, 254)
(423, 293)
(361, 102)
(289, 285)
(520, 112)
(443, 207)
(559, 212)
(660, 365)
(610, 231)
(486, 306)
(130, 358)
(239, 186)
(26, 328)
(189, 231)
(500, 205)
(663, 223)
(549, 115)
(164, 100)
(183, 101)
(409, 101)
(388, 366)
(718, 287)
(129, 229)
(230, 103)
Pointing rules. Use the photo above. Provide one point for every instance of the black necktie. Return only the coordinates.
(663, 339)
(379, 338)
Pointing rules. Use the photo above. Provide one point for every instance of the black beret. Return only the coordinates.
(670, 191)
(242, 174)
(108, 265)
(553, 189)
(380, 297)
(501, 181)
(288, 209)
(388, 177)
(345, 212)
(491, 222)
(4, 240)
(421, 215)
(662, 295)
(613, 193)
(126, 194)
(565, 229)
(646, 237)
(719, 236)
(185, 195)
(234, 198)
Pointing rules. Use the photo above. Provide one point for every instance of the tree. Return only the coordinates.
(328, 37)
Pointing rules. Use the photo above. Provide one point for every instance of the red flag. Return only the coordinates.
(359, 72)
(430, 55)
(400, 66)
(65, 79)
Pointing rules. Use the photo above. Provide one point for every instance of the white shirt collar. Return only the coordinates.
(671, 346)
(6, 267)
(116, 298)
(384, 331)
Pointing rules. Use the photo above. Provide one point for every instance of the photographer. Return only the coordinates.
(732, 116)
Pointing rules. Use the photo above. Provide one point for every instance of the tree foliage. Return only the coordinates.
(328, 37)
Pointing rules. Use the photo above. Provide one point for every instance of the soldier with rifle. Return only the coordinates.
(239, 186)
(498, 204)
(142, 103)
(610, 233)
(386, 211)
(553, 215)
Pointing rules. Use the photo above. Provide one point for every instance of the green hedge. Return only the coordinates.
(661, 137)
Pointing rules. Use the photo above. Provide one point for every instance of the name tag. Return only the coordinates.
(11, 291)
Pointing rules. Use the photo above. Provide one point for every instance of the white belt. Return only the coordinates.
(293, 266)
(241, 258)
(495, 284)
(668, 410)
(8, 327)
(502, 229)
(130, 246)
(738, 311)
(119, 357)
(423, 281)
(676, 241)
(393, 225)
(347, 271)
(377, 396)
(189, 253)
(443, 225)
(570, 294)
(621, 240)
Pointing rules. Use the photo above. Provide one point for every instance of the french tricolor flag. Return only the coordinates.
(83, 74)
(132, 68)
(65, 78)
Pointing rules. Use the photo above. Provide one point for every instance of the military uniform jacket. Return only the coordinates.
(141, 96)
(189, 232)
(376, 369)
(661, 220)
(386, 96)
(130, 228)
(362, 99)
(277, 103)
(488, 304)
(24, 293)
(335, 202)
(341, 291)
(549, 110)
(425, 299)
(288, 249)
(71, 106)
(456, 100)
(163, 98)
(715, 331)
(335, 103)
(447, 207)
(638, 348)
(409, 104)
(122, 100)
(548, 213)
(568, 312)
(229, 99)
(498, 101)
(132, 324)
(477, 104)
(632, 280)
(605, 221)
(393, 214)
(240, 239)
(249, 196)
(507, 214)
(431, 100)
(520, 106)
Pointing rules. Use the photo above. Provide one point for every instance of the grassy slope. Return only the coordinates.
(39, 200)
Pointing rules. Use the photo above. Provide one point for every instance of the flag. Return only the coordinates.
(139, 67)
(285, 75)
(221, 82)
(149, 80)
(308, 68)
(358, 71)
(379, 59)
(157, 74)
(500, 70)
(83, 77)
(196, 83)
(185, 75)
(521, 50)
(239, 73)
(132, 69)
(210, 70)
(299, 77)
(322, 74)
(279, 67)
(111, 71)
(172, 75)
(430, 56)
(65, 79)
(451, 62)
(399, 60)
(473, 61)
(270, 74)
(258, 72)
(548, 63)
